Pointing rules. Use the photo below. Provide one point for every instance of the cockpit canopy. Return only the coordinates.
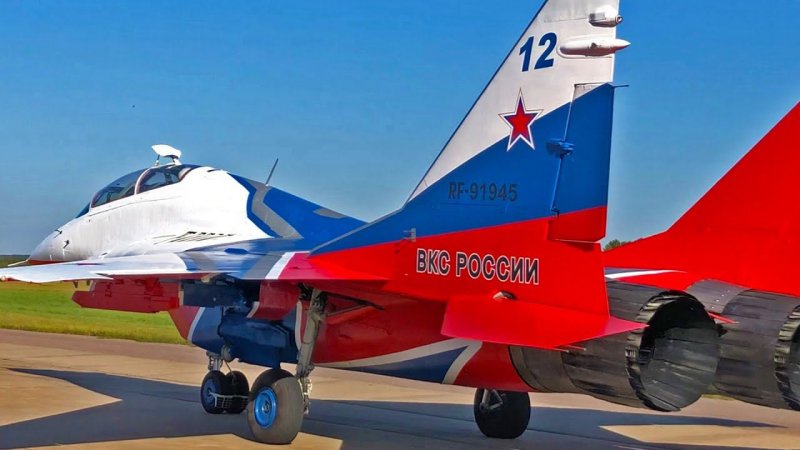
(138, 182)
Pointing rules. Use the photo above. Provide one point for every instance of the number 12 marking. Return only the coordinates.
(544, 60)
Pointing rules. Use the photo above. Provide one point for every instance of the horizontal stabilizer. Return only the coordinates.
(513, 322)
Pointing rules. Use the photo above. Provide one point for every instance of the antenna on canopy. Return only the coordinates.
(272, 171)
(167, 151)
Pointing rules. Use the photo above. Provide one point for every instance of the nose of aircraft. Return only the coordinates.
(50, 250)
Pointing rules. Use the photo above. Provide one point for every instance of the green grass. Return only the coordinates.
(11, 259)
(49, 308)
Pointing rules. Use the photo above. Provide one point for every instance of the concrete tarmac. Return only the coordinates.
(80, 392)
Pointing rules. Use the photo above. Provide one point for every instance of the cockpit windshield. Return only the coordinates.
(163, 176)
(141, 181)
(120, 188)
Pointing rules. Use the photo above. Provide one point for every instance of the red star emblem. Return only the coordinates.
(520, 122)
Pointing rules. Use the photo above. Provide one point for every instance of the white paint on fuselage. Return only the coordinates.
(164, 220)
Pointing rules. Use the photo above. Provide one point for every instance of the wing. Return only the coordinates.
(257, 260)
(100, 269)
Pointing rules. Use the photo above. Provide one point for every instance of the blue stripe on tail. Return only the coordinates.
(565, 173)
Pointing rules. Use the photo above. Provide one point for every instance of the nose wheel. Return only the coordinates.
(502, 414)
(221, 393)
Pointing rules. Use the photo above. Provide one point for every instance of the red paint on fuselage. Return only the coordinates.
(491, 367)
(145, 295)
(37, 262)
(411, 303)
(559, 264)
(406, 325)
(399, 326)
(275, 300)
(183, 317)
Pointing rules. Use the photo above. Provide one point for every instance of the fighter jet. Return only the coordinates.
(489, 276)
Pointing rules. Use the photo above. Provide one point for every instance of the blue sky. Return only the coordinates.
(357, 97)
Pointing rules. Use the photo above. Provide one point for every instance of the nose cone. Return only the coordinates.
(50, 250)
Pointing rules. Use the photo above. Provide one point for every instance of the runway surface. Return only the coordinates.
(82, 392)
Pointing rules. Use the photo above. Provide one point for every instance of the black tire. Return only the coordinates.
(508, 420)
(238, 386)
(213, 383)
(275, 409)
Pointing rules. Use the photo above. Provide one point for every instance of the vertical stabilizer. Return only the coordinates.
(745, 229)
(516, 201)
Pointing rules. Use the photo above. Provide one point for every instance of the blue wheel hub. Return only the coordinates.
(209, 389)
(265, 407)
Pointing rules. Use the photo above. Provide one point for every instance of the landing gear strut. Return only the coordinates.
(278, 400)
(316, 314)
(502, 414)
(221, 393)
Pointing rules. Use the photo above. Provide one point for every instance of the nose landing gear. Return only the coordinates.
(221, 393)
(502, 414)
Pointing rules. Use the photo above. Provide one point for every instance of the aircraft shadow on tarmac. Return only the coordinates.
(155, 409)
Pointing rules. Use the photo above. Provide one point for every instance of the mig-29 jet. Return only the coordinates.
(487, 277)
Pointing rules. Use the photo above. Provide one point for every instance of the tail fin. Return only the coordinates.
(746, 229)
(534, 145)
(521, 186)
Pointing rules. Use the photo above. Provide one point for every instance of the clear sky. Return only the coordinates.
(357, 97)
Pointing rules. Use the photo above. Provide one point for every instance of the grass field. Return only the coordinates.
(10, 259)
(48, 308)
